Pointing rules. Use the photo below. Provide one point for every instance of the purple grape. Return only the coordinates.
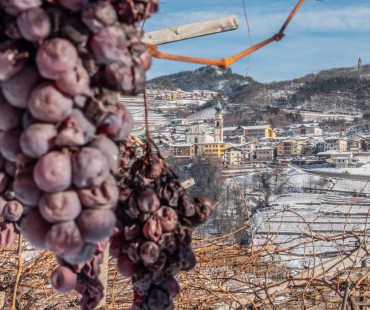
(103, 197)
(25, 189)
(75, 82)
(14, 7)
(64, 238)
(13, 211)
(11, 30)
(148, 201)
(131, 12)
(152, 229)
(168, 218)
(109, 150)
(47, 104)
(27, 119)
(96, 225)
(98, 15)
(184, 234)
(87, 252)
(3, 202)
(125, 266)
(10, 168)
(168, 243)
(118, 125)
(119, 76)
(75, 130)
(90, 168)
(132, 232)
(186, 257)
(108, 44)
(171, 286)
(55, 58)
(34, 228)
(145, 60)
(63, 279)
(203, 210)
(37, 139)
(17, 89)
(158, 299)
(158, 265)
(53, 172)
(186, 205)
(10, 144)
(73, 5)
(4, 182)
(154, 172)
(7, 234)
(133, 250)
(9, 117)
(74, 30)
(142, 280)
(12, 60)
(34, 24)
(2, 159)
(60, 206)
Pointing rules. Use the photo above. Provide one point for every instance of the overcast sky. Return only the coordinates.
(323, 35)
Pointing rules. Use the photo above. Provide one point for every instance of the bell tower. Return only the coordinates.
(219, 123)
(359, 64)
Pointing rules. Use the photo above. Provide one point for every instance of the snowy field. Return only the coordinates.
(314, 219)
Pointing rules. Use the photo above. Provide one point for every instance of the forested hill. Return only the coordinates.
(339, 89)
(208, 78)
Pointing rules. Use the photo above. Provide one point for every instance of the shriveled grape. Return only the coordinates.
(63, 279)
(55, 58)
(60, 206)
(37, 139)
(90, 168)
(96, 225)
(37, 237)
(64, 238)
(53, 172)
(47, 104)
(34, 24)
(18, 88)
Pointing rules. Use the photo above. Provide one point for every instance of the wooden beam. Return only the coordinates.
(188, 183)
(190, 31)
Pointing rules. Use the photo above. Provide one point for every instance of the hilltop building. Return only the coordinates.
(359, 64)
(218, 124)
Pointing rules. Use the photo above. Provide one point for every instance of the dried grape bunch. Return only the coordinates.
(63, 65)
(11, 210)
(156, 220)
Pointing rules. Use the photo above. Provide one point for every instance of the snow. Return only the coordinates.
(363, 170)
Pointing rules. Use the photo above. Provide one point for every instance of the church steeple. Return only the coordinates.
(218, 107)
(359, 64)
(219, 123)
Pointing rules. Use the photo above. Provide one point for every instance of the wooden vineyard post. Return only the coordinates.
(103, 276)
(174, 34)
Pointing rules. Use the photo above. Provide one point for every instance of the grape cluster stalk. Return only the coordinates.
(70, 178)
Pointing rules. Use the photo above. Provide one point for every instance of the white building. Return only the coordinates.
(336, 144)
(198, 134)
(306, 129)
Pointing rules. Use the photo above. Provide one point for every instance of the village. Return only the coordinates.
(203, 134)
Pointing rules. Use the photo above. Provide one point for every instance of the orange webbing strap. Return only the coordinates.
(223, 63)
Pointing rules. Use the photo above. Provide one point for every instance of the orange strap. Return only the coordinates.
(223, 63)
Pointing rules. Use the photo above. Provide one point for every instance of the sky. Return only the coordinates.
(324, 34)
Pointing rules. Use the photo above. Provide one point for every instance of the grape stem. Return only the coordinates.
(147, 131)
(223, 63)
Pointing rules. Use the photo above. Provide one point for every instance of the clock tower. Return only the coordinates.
(219, 124)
